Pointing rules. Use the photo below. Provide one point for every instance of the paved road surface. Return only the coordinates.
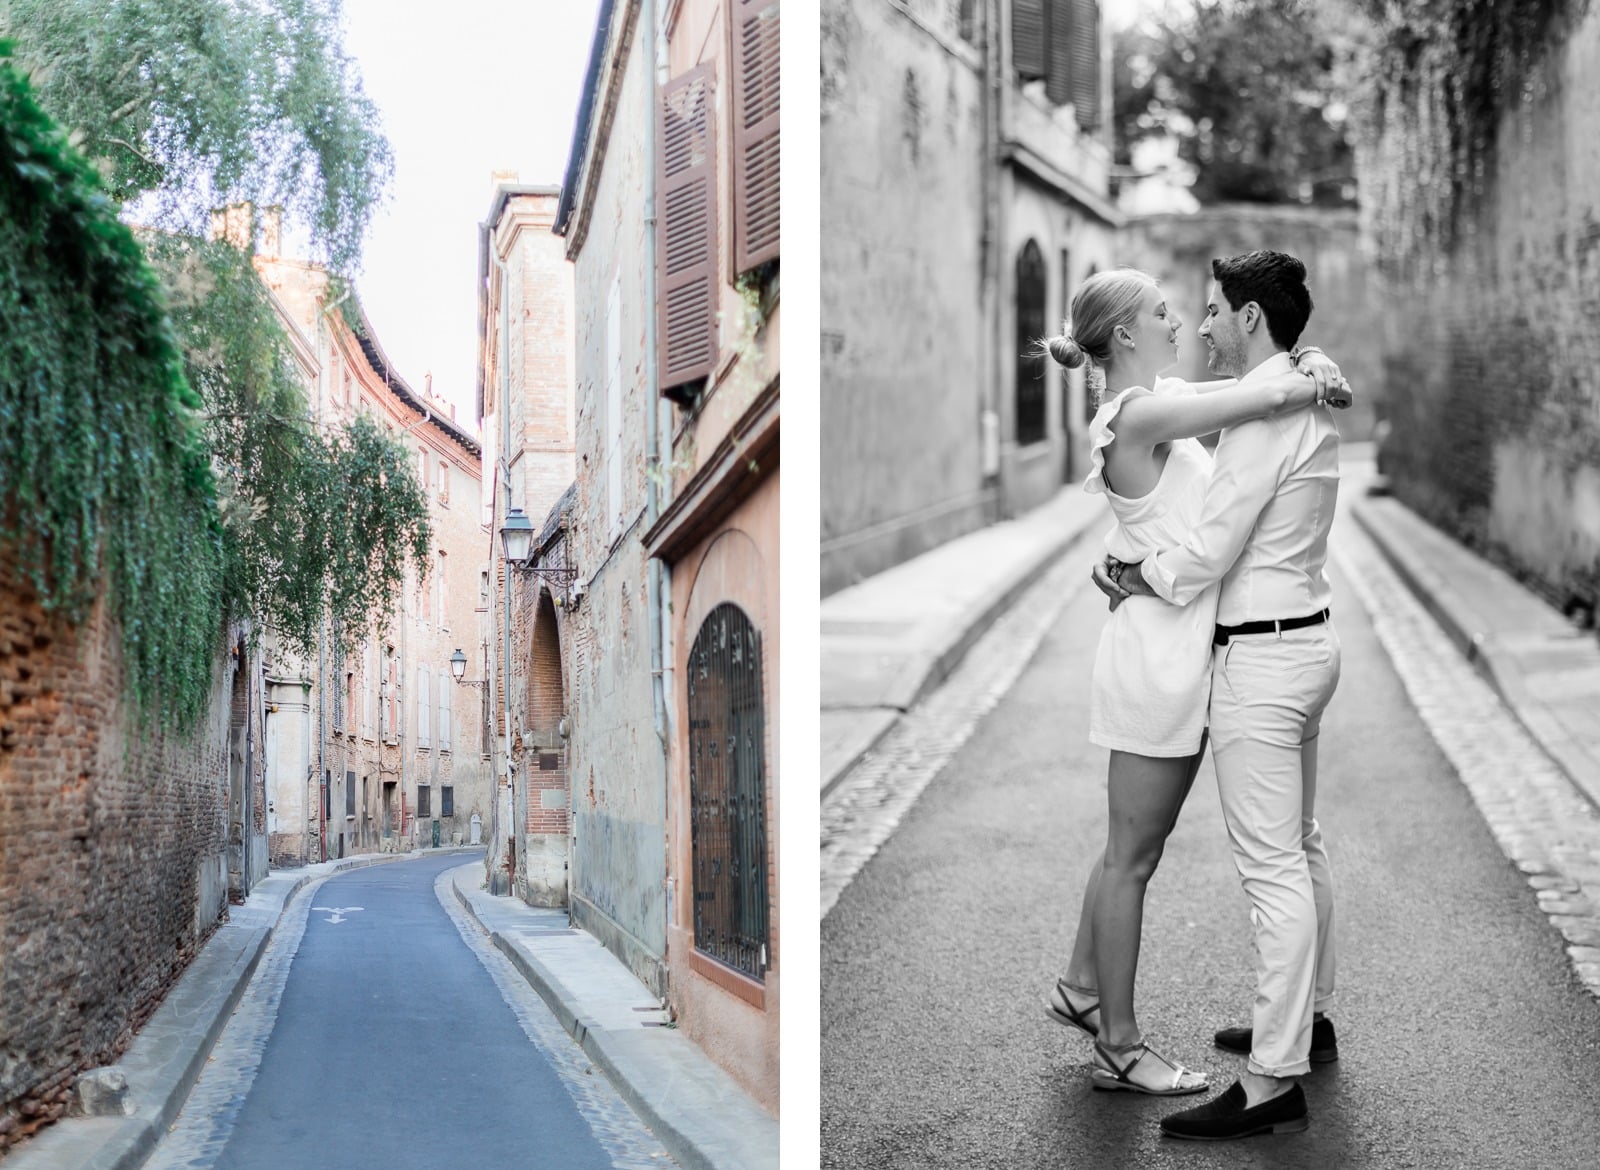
(382, 1030)
(1466, 1041)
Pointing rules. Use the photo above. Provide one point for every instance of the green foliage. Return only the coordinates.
(1443, 73)
(316, 523)
(198, 104)
(104, 474)
(1251, 89)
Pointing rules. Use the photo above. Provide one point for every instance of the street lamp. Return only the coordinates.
(516, 537)
(458, 670)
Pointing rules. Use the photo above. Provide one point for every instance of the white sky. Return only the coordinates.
(465, 87)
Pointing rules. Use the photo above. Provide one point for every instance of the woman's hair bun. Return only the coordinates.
(1065, 351)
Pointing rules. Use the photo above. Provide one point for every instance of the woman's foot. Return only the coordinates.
(1139, 1068)
(1075, 1007)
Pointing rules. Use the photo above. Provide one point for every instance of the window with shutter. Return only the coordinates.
(422, 707)
(686, 250)
(1030, 389)
(1029, 50)
(1086, 62)
(1061, 66)
(753, 27)
(444, 711)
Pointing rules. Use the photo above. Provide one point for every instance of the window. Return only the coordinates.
(727, 792)
(394, 698)
(422, 468)
(327, 794)
(614, 505)
(447, 800)
(349, 794)
(1059, 41)
(443, 616)
(422, 706)
(686, 254)
(424, 801)
(444, 482)
(339, 684)
(446, 686)
(966, 18)
(369, 681)
(1030, 391)
(753, 27)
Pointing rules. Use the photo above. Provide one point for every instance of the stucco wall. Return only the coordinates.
(1490, 362)
(733, 1018)
(902, 309)
(617, 768)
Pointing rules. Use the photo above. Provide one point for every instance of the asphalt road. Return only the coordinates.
(1465, 1039)
(379, 1038)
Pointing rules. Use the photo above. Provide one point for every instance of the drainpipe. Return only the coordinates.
(653, 428)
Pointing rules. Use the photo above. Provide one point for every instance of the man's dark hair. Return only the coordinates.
(1274, 280)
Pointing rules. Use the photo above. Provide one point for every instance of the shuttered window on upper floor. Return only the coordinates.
(753, 29)
(686, 248)
(1059, 41)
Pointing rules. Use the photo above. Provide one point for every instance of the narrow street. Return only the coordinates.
(1465, 1039)
(382, 1029)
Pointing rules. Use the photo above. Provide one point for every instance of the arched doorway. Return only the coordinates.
(545, 812)
(727, 792)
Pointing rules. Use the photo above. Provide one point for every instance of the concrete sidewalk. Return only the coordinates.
(699, 1113)
(892, 638)
(166, 1056)
(1546, 671)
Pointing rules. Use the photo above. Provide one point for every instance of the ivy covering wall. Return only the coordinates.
(105, 482)
(1480, 186)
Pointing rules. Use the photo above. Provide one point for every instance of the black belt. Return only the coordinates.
(1266, 627)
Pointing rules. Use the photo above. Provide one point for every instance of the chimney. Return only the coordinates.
(427, 384)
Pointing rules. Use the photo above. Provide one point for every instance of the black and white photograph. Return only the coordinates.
(1209, 555)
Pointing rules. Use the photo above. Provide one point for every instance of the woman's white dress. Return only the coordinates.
(1152, 672)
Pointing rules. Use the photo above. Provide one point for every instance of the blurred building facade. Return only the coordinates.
(374, 750)
(966, 193)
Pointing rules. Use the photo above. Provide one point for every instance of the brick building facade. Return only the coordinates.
(119, 847)
(378, 750)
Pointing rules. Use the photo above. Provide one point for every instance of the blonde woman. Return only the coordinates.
(1152, 671)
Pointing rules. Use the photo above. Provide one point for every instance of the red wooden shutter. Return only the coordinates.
(1028, 49)
(1085, 68)
(753, 27)
(686, 185)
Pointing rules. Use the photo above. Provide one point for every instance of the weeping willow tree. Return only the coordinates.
(169, 110)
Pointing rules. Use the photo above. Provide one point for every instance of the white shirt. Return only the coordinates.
(1264, 528)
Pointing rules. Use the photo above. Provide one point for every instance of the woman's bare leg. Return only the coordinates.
(1144, 795)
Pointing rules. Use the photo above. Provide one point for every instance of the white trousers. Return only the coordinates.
(1268, 692)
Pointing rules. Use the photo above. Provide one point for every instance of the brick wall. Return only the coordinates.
(1490, 361)
(112, 855)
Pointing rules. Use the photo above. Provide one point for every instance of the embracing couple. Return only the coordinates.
(1220, 628)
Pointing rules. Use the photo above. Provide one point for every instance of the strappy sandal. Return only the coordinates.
(1059, 1008)
(1107, 1074)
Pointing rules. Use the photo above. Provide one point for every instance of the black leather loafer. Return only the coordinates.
(1224, 1118)
(1324, 1044)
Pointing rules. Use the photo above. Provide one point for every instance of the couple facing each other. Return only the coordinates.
(1220, 607)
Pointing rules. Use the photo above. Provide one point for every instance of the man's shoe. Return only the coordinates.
(1226, 1117)
(1324, 1044)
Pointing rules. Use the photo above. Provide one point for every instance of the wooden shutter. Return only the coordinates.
(1028, 48)
(686, 185)
(1085, 67)
(1060, 70)
(753, 27)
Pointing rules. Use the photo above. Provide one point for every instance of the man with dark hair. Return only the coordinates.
(1275, 664)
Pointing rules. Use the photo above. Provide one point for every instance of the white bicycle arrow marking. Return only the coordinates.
(338, 912)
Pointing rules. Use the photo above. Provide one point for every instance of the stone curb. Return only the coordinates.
(1495, 656)
(654, 1071)
(166, 1055)
(971, 625)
